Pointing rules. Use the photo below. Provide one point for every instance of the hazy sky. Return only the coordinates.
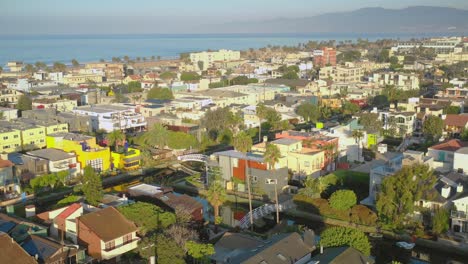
(155, 16)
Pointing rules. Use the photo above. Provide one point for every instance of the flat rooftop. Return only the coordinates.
(71, 136)
(51, 154)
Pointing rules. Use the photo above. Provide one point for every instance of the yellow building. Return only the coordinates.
(10, 140)
(129, 160)
(83, 78)
(32, 135)
(331, 102)
(88, 152)
(295, 157)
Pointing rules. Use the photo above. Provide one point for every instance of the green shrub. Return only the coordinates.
(343, 199)
(340, 236)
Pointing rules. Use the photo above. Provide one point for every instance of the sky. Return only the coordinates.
(156, 16)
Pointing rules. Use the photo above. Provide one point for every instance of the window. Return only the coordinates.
(5, 138)
(127, 239)
(15, 136)
(110, 245)
(307, 164)
(6, 147)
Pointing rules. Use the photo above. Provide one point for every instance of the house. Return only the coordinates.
(112, 117)
(237, 166)
(58, 160)
(27, 167)
(49, 251)
(106, 234)
(385, 164)
(460, 160)
(87, 151)
(295, 156)
(300, 85)
(283, 248)
(12, 253)
(404, 123)
(340, 255)
(460, 215)
(443, 154)
(129, 159)
(455, 124)
(315, 141)
(63, 221)
(404, 81)
(9, 184)
(8, 114)
(166, 198)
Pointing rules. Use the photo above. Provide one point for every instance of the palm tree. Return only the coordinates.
(242, 142)
(271, 156)
(216, 194)
(261, 112)
(158, 136)
(329, 151)
(115, 138)
(358, 135)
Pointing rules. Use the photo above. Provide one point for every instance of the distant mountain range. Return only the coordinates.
(416, 19)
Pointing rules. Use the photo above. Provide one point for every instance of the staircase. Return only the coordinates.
(263, 211)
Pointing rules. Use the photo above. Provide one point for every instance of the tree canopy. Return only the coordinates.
(370, 122)
(242, 142)
(24, 103)
(134, 87)
(440, 221)
(160, 93)
(343, 199)
(148, 217)
(190, 76)
(400, 191)
(221, 121)
(433, 127)
(341, 236)
(92, 186)
(308, 111)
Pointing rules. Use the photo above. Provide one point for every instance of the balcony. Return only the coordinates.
(120, 249)
(458, 215)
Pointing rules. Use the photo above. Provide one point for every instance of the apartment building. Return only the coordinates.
(58, 160)
(85, 148)
(404, 123)
(75, 79)
(63, 105)
(113, 117)
(325, 57)
(404, 81)
(9, 96)
(349, 73)
(209, 57)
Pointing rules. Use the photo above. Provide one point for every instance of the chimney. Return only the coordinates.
(309, 238)
(152, 260)
(321, 249)
(4, 156)
(446, 191)
(459, 188)
(30, 210)
(265, 139)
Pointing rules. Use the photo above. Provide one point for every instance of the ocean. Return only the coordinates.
(87, 48)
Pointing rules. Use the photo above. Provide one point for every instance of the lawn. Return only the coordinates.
(356, 181)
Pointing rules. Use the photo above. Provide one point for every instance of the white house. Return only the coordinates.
(113, 117)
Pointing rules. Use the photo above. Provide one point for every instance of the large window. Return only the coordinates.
(96, 164)
(110, 245)
(127, 239)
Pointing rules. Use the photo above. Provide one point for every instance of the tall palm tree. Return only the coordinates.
(115, 138)
(216, 194)
(158, 136)
(271, 156)
(358, 135)
(242, 142)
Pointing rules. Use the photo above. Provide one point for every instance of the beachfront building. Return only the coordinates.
(209, 57)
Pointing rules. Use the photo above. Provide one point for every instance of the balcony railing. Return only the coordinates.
(459, 214)
(120, 249)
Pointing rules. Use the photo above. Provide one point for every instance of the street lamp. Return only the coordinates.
(275, 182)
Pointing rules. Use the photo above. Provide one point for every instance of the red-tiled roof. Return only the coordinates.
(5, 163)
(450, 145)
(70, 210)
(135, 77)
(456, 120)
